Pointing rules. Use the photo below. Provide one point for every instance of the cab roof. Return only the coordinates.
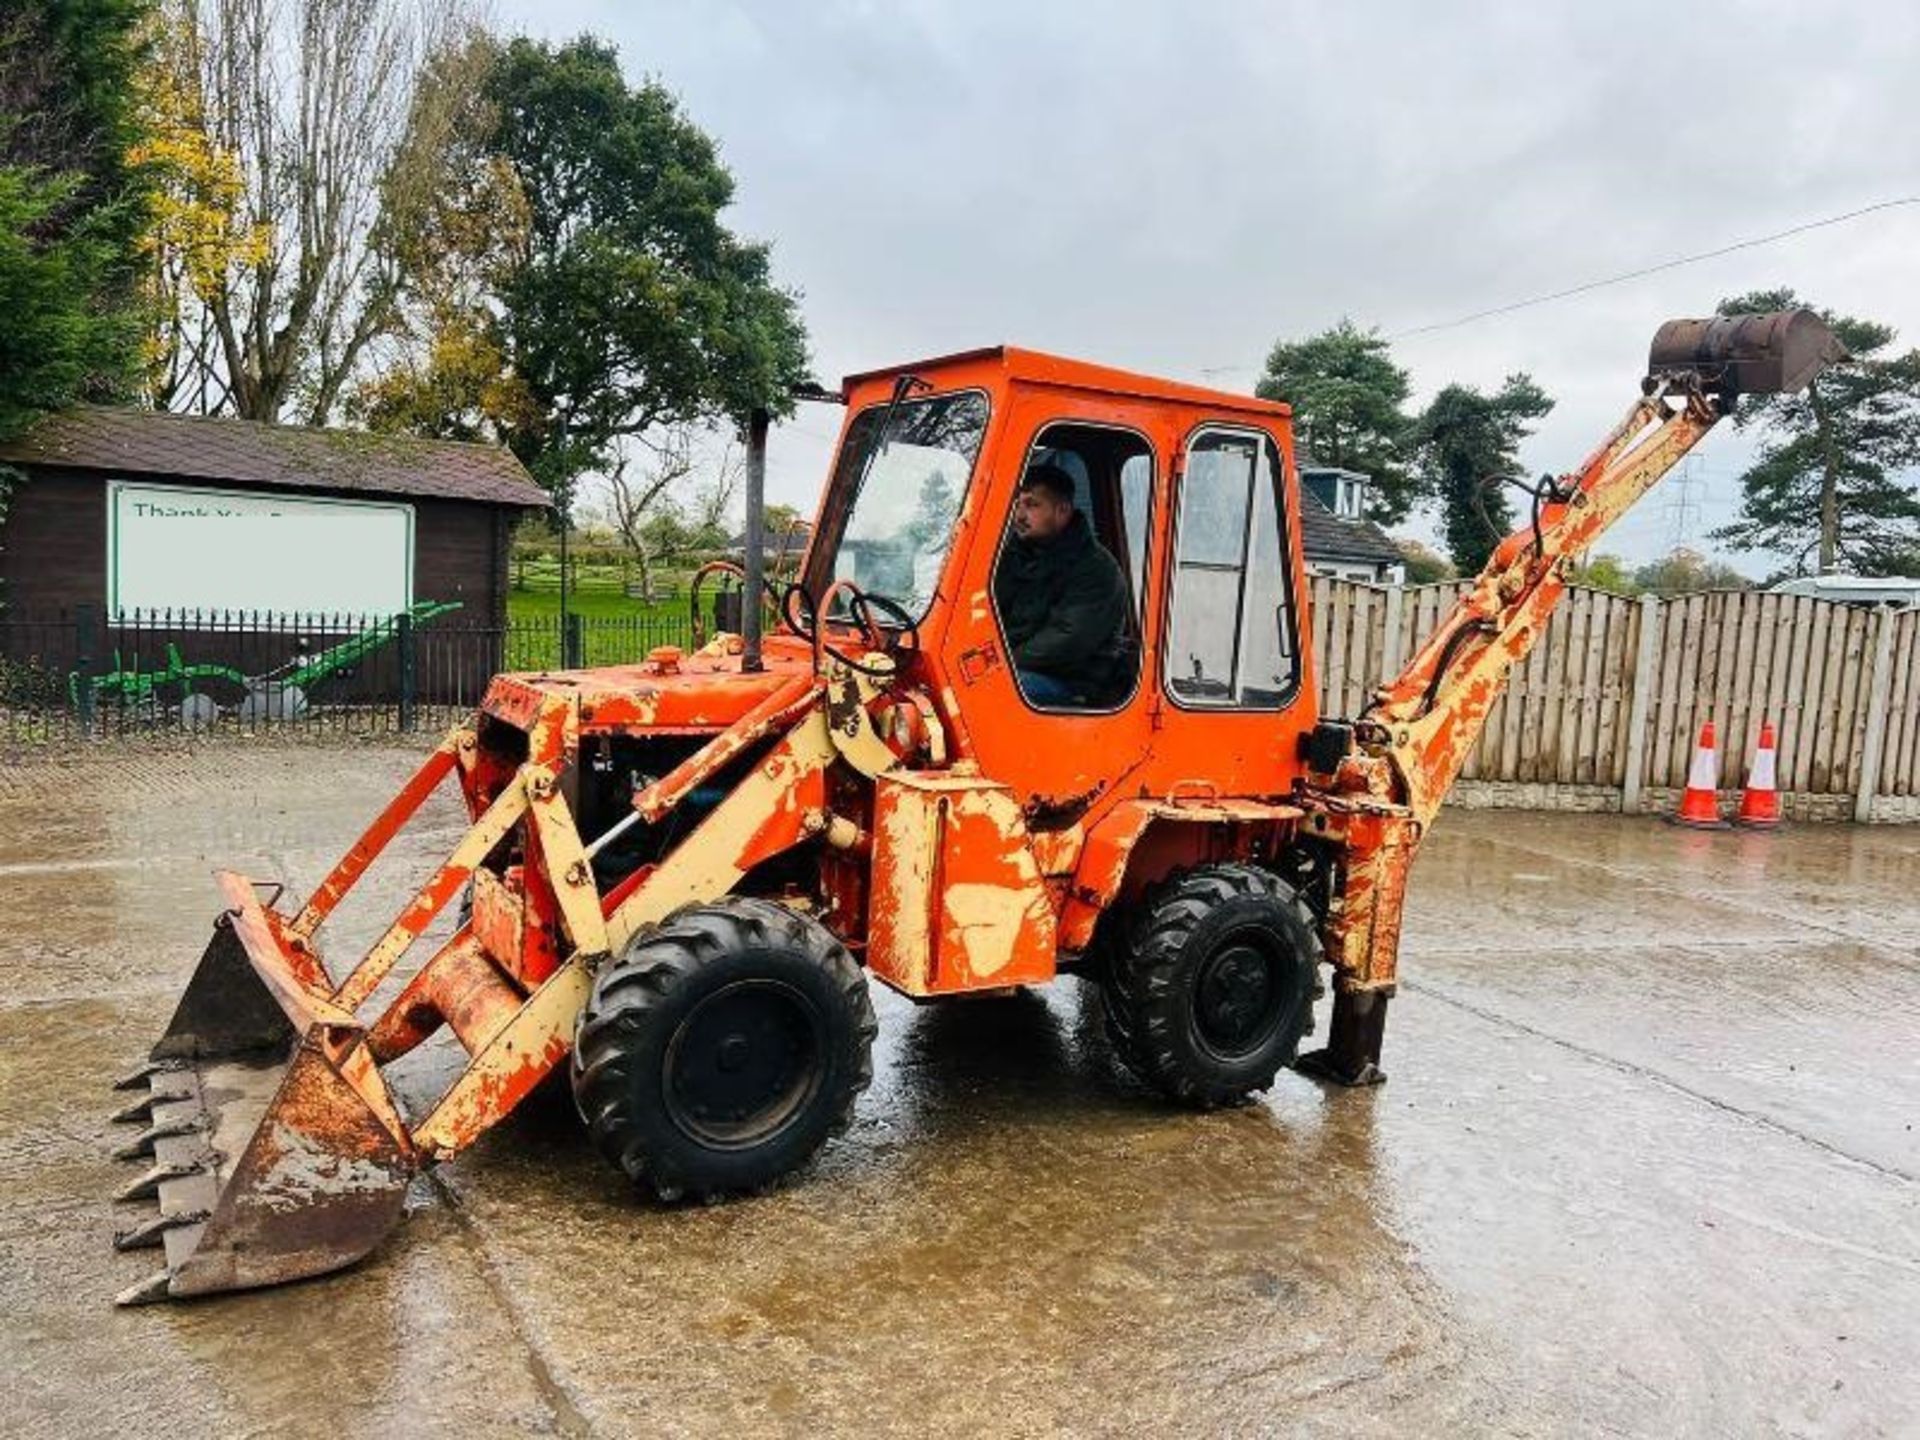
(1035, 367)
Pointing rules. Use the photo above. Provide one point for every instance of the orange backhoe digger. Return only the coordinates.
(679, 873)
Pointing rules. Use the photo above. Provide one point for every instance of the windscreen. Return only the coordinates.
(909, 473)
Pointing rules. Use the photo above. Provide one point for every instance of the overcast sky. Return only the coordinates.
(1172, 187)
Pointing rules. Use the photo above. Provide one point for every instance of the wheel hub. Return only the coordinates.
(1236, 1000)
(743, 1063)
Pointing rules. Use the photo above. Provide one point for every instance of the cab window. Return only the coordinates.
(1230, 624)
(1070, 602)
(905, 470)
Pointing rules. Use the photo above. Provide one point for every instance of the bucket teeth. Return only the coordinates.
(146, 1072)
(148, 1185)
(147, 1292)
(140, 1112)
(141, 1146)
(150, 1233)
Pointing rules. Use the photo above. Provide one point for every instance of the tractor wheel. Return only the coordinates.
(722, 1049)
(1211, 989)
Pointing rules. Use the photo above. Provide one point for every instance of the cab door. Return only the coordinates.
(1233, 678)
(1065, 759)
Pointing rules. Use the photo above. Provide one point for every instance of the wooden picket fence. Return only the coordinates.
(1605, 711)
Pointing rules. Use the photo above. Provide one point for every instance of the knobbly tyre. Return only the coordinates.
(682, 871)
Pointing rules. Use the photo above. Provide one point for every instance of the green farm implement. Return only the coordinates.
(276, 694)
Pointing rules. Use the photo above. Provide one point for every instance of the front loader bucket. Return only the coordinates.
(270, 1144)
(1773, 353)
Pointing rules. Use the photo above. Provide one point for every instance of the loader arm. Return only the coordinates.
(274, 1146)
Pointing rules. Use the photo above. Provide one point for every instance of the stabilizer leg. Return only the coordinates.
(1352, 1054)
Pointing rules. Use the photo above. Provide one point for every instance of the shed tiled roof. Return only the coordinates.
(250, 452)
(1325, 536)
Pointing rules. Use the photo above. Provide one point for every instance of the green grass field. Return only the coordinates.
(594, 604)
(599, 591)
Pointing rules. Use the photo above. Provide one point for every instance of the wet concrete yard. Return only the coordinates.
(1646, 1166)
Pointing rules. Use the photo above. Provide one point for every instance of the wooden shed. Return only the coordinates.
(135, 512)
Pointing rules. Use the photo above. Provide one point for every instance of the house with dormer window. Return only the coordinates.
(1338, 538)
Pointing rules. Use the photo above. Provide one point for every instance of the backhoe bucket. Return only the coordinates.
(272, 1146)
(1732, 355)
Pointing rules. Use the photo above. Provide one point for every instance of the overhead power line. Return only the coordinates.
(1664, 265)
(1619, 279)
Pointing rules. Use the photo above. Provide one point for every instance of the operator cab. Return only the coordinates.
(1187, 494)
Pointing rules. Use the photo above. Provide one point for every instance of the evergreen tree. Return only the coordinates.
(71, 205)
(1348, 400)
(1466, 443)
(1833, 487)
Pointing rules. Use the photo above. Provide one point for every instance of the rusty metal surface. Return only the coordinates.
(432, 897)
(395, 814)
(504, 1071)
(225, 1008)
(765, 814)
(319, 1177)
(1224, 828)
(264, 1168)
(469, 992)
(273, 1150)
(511, 931)
(314, 1187)
(290, 973)
(779, 708)
(563, 869)
(1362, 933)
(848, 695)
(1423, 724)
(706, 694)
(1427, 719)
(1732, 355)
(957, 902)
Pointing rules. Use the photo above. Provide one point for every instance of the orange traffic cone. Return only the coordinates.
(1699, 809)
(1760, 801)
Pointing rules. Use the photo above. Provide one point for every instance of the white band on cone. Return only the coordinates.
(1705, 771)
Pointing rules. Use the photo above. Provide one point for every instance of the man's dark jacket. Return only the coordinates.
(1063, 602)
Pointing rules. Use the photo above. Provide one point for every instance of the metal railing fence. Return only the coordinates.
(82, 674)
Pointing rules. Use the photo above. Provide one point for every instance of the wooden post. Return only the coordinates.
(1879, 685)
(1641, 705)
(1390, 649)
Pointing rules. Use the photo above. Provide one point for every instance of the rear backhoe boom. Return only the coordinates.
(1421, 726)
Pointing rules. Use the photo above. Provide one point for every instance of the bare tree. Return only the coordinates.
(635, 500)
(713, 501)
(659, 505)
(310, 104)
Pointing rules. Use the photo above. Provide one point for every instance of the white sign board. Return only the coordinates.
(170, 547)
